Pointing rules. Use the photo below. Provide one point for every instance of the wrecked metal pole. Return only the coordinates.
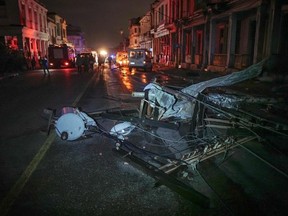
(182, 189)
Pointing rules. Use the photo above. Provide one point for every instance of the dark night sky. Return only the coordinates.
(100, 20)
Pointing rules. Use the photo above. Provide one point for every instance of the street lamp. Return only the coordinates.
(103, 52)
(123, 39)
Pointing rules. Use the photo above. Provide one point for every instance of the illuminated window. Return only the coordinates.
(132, 54)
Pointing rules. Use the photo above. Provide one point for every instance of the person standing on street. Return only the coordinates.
(44, 63)
(101, 61)
(28, 61)
(91, 62)
(79, 62)
(33, 63)
(86, 63)
(110, 61)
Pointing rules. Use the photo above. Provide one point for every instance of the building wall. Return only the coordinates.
(52, 31)
(218, 35)
(134, 33)
(35, 32)
(75, 36)
(24, 27)
(145, 40)
(162, 49)
(58, 27)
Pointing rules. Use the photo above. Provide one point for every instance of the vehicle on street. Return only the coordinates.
(140, 58)
(91, 58)
(62, 56)
(122, 58)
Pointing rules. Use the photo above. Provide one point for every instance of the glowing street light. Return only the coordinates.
(103, 52)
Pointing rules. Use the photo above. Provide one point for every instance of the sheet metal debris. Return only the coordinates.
(181, 128)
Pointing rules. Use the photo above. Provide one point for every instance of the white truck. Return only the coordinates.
(140, 58)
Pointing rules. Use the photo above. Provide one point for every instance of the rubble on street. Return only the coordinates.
(175, 130)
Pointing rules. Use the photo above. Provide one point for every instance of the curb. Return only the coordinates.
(10, 75)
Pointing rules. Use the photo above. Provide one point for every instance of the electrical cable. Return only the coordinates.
(217, 195)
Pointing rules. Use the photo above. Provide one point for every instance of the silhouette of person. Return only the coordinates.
(86, 63)
(33, 63)
(79, 62)
(91, 61)
(45, 66)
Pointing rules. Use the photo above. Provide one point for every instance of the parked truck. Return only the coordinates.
(140, 58)
(62, 56)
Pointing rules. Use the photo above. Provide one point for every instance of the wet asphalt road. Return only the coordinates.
(43, 175)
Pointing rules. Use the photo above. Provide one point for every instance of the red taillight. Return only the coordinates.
(66, 63)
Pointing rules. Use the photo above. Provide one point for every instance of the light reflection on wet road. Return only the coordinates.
(137, 80)
(86, 178)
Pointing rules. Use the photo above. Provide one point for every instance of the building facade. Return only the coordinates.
(24, 26)
(57, 29)
(232, 35)
(134, 33)
(218, 35)
(161, 35)
(145, 39)
(27, 26)
(76, 37)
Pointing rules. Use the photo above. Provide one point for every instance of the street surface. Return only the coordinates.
(44, 175)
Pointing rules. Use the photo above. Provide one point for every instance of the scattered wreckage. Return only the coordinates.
(175, 130)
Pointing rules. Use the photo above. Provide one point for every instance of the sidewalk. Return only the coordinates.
(8, 75)
(260, 86)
